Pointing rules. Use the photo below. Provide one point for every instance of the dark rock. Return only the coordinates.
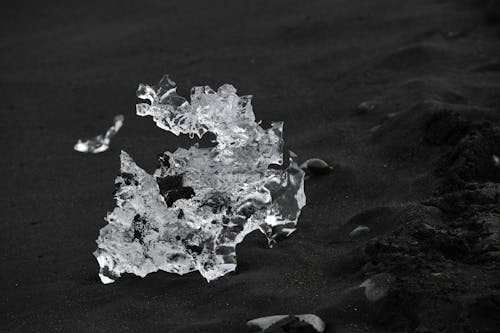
(359, 231)
(367, 106)
(316, 166)
(305, 323)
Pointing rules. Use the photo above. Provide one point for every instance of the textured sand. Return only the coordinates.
(414, 163)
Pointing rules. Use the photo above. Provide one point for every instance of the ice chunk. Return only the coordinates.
(201, 202)
(100, 143)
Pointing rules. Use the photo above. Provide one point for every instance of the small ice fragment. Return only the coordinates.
(287, 323)
(105, 279)
(100, 143)
(190, 214)
(316, 166)
(359, 230)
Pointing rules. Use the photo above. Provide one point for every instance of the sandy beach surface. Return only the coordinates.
(401, 98)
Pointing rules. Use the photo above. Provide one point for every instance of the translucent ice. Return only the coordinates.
(100, 143)
(201, 202)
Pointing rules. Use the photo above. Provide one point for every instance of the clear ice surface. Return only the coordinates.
(201, 202)
(100, 143)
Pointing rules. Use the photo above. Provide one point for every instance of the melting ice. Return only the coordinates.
(101, 142)
(201, 202)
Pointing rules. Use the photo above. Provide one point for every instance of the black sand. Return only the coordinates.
(415, 164)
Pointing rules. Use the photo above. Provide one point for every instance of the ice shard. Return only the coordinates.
(201, 202)
(101, 142)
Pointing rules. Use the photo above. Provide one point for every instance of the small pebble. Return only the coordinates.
(375, 128)
(366, 106)
(316, 166)
(391, 115)
(377, 286)
(287, 322)
(496, 160)
(358, 231)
